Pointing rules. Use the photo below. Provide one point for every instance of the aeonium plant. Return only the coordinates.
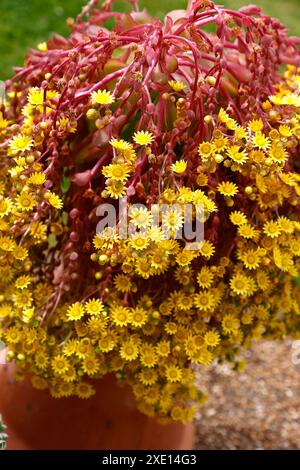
(201, 109)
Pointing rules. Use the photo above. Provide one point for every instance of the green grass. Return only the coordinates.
(24, 23)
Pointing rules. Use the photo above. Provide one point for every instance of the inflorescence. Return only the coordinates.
(195, 110)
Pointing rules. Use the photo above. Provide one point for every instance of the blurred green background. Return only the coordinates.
(24, 23)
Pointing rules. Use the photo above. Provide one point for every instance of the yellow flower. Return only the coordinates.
(37, 178)
(261, 141)
(115, 188)
(247, 231)
(237, 155)
(38, 231)
(36, 96)
(203, 356)
(204, 300)
(54, 200)
(120, 144)
(75, 311)
(23, 281)
(20, 143)
(121, 316)
(238, 218)
(5, 206)
(7, 244)
(256, 125)
(205, 277)
(179, 167)
(207, 249)
(107, 342)
(70, 347)
(172, 220)
(184, 257)
(59, 364)
(286, 225)
(123, 283)
(116, 171)
(212, 338)
(177, 413)
(278, 153)
(239, 284)
(12, 335)
(163, 348)
(257, 156)
(173, 374)
(84, 390)
(240, 133)
(143, 268)
(205, 150)
(227, 188)
(272, 229)
(20, 253)
(171, 328)
(220, 143)
(231, 124)
(143, 137)
(223, 116)
(230, 324)
(139, 242)
(148, 355)
(140, 217)
(83, 347)
(148, 377)
(138, 317)
(42, 46)
(285, 130)
(90, 365)
(39, 383)
(3, 122)
(94, 307)
(70, 374)
(176, 85)
(41, 360)
(20, 161)
(25, 201)
(251, 259)
(129, 350)
(102, 97)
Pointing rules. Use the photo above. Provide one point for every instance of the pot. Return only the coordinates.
(108, 420)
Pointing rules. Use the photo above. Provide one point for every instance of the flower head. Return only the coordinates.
(159, 287)
(227, 188)
(102, 97)
(179, 167)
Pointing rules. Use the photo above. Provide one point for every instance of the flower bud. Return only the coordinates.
(171, 63)
(74, 256)
(92, 114)
(211, 80)
(74, 213)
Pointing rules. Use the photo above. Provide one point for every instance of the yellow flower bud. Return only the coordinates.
(211, 80)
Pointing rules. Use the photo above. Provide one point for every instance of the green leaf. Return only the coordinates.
(65, 184)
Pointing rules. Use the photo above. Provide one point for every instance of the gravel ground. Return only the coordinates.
(256, 409)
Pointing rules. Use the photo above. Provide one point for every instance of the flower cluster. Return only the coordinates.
(155, 113)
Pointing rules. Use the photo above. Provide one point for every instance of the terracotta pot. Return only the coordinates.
(108, 420)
